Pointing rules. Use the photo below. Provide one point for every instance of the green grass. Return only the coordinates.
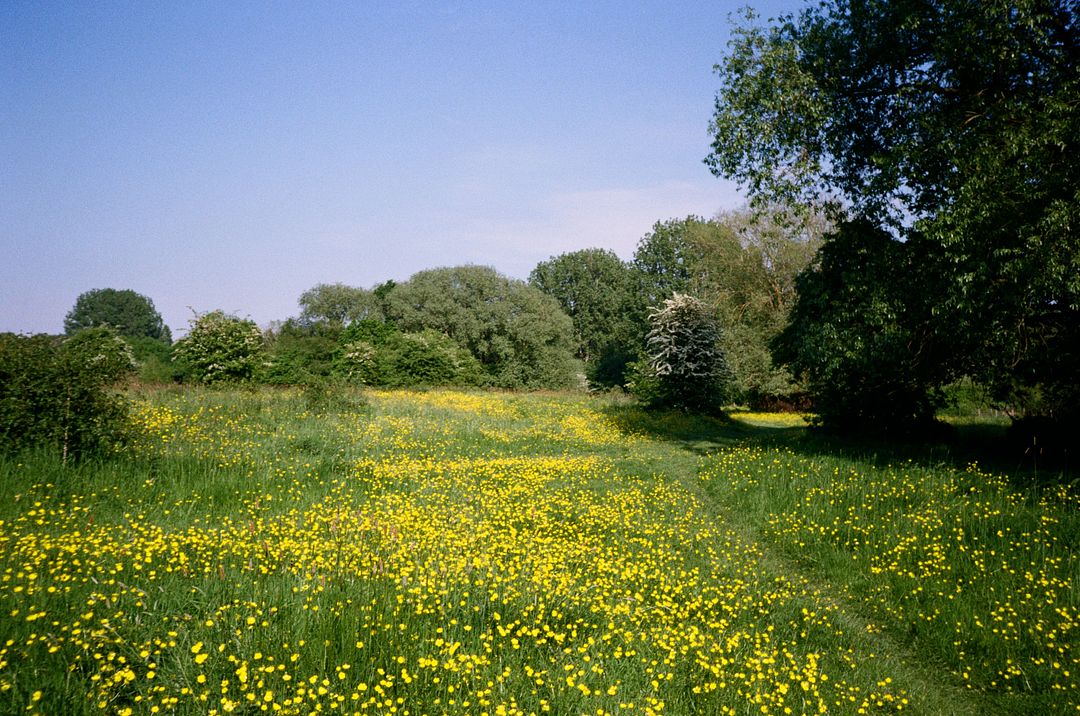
(455, 552)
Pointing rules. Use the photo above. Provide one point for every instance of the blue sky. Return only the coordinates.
(232, 155)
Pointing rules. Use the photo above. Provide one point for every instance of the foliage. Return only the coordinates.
(221, 348)
(337, 304)
(362, 353)
(596, 289)
(664, 261)
(131, 314)
(376, 353)
(153, 360)
(370, 330)
(685, 368)
(946, 123)
(101, 352)
(743, 265)
(298, 351)
(426, 358)
(858, 338)
(57, 393)
(518, 334)
(357, 361)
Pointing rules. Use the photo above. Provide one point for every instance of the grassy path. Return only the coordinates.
(965, 584)
(930, 688)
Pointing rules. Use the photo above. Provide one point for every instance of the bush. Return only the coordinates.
(428, 358)
(57, 393)
(358, 362)
(153, 360)
(684, 367)
(221, 348)
(299, 352)
(395, 359)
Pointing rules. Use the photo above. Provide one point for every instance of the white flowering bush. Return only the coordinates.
(684, 366)
(358, 362)
(221, 348)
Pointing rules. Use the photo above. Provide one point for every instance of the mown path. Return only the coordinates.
(931, 688)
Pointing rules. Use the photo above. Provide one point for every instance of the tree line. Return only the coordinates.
(580, 320)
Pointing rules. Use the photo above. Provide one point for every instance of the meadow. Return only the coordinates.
(482, 553)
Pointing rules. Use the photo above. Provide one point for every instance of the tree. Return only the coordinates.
(518, 334)
(857, 335)
(753, 289)
(131, 314)
(596, 290)
(742, 265)
(297, 351)
(947, 124)
(221, 348)
(337, 304)
(684, 366)
(664, 260)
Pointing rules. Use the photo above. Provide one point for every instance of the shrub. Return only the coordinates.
(57, 393)
(297, 352)
(153, 360)
(358, 362)
(428, 358)
(221, 348)
(684, 367)
(396, 359)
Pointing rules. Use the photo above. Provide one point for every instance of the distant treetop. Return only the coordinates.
(131, 314)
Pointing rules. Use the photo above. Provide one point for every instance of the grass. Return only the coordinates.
(482, 553)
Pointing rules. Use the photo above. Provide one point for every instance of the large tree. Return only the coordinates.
(130, 314)
(596, 289)
(742, 264)
(950, 125)
(337, 304)
(518, 334)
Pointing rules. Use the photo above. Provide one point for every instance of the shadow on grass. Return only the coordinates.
(701, 434)
(955, 446)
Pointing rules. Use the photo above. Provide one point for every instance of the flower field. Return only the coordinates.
(479, 553)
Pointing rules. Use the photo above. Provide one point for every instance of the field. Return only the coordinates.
(484, 553)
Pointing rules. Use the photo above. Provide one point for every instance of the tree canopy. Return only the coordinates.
(518, 334)
(131, 314)
(595, 288)
(952, 126)
(742, 265)
(337, 304)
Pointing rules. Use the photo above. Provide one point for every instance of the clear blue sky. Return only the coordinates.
(232, 155)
